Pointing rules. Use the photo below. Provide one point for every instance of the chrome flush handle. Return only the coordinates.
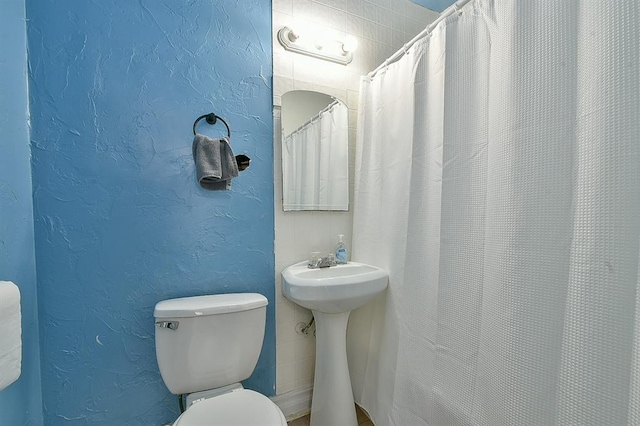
(171, 325)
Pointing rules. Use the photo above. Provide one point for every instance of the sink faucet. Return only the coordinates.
(322, 262)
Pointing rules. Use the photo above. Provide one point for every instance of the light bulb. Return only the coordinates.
(292, 36)
(350, 44)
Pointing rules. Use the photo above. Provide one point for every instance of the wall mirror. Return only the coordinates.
(315, 146)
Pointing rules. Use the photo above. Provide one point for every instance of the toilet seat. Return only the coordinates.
(241, 407)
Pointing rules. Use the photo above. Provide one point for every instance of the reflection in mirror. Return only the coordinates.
(315, 166)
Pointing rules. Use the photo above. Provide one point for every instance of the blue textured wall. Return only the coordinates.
(20, 403)
(120, 220)
(437, 5)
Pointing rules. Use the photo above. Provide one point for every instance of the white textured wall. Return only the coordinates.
(381, 27)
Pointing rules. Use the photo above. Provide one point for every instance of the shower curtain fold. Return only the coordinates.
(507, 212)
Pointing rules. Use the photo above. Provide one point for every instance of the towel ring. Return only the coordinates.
(211, 118)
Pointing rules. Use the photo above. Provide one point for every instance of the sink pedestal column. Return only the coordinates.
(332, 403)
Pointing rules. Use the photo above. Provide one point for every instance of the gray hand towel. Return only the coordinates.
(215, 163)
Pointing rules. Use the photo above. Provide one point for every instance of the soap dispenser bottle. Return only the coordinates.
(341, 251)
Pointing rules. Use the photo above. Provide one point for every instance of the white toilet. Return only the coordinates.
(206, 345)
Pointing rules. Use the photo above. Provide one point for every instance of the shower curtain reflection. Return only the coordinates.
(315, 168)
(501, 192)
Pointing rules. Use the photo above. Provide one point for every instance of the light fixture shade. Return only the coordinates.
(317, 48)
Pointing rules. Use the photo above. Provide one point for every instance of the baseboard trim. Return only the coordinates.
(294, 404)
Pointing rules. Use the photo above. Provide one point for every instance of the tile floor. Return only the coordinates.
(363, 420)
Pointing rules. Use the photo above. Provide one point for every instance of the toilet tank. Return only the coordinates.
(206, 342)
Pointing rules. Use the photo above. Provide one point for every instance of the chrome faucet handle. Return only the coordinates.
(316, 262)
(327, 261)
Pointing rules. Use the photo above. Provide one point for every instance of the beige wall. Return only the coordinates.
(381, 28)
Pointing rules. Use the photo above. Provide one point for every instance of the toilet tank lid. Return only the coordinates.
(196, 306)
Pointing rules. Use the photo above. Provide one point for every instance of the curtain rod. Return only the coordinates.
(401, 52)
(316, 116)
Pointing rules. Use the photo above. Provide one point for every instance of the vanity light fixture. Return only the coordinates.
(329, 50)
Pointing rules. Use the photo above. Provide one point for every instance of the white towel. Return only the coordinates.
(10, 334)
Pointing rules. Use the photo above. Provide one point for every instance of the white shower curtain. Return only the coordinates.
(315, 165)
(498, 181)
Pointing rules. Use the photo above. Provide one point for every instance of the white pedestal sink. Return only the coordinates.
(332, 293)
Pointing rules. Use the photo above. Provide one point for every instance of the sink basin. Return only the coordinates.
(331, 293)
(333, 290)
